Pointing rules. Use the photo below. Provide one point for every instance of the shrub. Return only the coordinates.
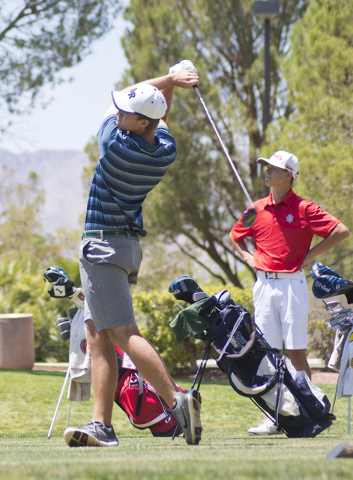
(321, 338)
(22, 290)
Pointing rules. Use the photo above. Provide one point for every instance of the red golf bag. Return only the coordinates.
(141, 402)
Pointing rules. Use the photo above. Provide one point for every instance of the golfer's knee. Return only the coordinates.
(98, 342)
(122, 336)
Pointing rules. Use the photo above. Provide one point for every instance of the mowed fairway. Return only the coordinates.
(27, 403)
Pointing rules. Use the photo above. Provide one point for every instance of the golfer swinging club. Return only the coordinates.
(283, 232)
(135, 152)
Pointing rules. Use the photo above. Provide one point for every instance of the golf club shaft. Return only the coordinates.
(196, 88)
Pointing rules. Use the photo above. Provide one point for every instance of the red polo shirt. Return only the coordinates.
(283, 231)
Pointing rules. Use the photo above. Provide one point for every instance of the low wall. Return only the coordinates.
(17, 341)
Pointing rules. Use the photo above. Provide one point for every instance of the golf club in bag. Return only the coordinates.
(138, 399)
(254, 369)
(328, 283)
(249, 215)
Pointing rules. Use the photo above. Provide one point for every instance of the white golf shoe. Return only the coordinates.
(266, 427)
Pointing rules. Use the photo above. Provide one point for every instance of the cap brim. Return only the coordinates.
(121, 101)
(263, 161)
(266, 161)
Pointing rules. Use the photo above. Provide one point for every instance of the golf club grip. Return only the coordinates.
(225, 150)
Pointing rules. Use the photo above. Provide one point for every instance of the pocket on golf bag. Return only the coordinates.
(145, 410)
(234, 334)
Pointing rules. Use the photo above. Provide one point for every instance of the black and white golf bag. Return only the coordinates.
(254, 369)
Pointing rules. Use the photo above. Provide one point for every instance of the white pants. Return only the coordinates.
(281, 311)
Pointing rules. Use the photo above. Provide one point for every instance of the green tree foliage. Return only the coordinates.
(20, 206)
(25, 253)
(39, 38)
(200, 200)
(319, 73)
(21, 233)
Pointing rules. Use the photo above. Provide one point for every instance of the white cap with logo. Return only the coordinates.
(284, 160)
(144, 99)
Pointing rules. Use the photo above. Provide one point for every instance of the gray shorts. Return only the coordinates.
(108, 267)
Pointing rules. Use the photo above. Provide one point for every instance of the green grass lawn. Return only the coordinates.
(226, 451)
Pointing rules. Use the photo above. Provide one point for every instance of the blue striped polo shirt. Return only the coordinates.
(128, 168)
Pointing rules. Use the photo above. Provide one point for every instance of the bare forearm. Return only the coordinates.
(337, 235)
(180, 78)
(243, 251)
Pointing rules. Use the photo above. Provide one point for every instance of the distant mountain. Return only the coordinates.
(60, 174)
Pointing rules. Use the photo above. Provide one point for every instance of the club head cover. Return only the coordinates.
(319, 269)
(207, 306)
(64, 326)
(63, 287)
(223, 298)
(183, 288)
(249, 217)
(52, 274)
(326, 286)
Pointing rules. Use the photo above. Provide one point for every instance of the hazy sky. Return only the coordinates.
(77, 107)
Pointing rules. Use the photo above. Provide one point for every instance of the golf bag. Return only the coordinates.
(254, 369)
(328, 283)
(141, 402)
(134, 395)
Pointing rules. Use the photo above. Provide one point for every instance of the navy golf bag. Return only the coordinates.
(254, 369)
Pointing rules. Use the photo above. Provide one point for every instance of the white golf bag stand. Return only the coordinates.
(341, 359)
(79, 369)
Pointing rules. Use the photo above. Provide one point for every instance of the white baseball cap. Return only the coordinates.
(143, 99)
(284, 160)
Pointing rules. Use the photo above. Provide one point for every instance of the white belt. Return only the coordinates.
(276, 275)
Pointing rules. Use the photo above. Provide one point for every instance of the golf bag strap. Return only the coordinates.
(139, 401)
(245, 350)
(245, 391)
(234, 329)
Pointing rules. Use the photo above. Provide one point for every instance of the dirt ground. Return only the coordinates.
(324, 377)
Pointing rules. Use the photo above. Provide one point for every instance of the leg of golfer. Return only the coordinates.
(104, 378)
(281, 313)
(108, 268)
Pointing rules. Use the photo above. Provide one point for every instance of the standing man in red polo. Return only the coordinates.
(283, 232)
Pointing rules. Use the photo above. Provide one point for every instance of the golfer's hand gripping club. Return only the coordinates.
(249, 216)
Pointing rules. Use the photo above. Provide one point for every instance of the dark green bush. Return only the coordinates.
(23, 290)
(321, 338)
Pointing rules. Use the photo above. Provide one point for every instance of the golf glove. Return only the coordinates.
(183, 65)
